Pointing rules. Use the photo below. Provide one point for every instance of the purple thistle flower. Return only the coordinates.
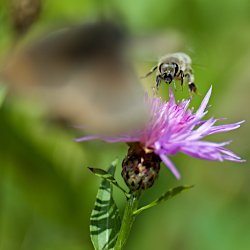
(173, 128)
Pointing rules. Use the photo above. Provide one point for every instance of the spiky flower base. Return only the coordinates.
(140, 168)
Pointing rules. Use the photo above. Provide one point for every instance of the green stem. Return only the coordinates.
(127, 221)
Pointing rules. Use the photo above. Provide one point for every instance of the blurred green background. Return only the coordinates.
(46, 191)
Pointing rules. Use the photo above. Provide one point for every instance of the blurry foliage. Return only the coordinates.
(46, 191)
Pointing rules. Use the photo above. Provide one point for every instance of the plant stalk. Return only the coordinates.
(127, 220)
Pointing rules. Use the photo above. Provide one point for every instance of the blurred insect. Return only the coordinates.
(83, 74)
(176, 66)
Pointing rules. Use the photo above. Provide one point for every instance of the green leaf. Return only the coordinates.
(105, 219)
(3, 92)
(108, 177)
(164, 197)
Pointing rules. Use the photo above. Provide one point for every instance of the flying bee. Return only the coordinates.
(82, 74)
(176, 66)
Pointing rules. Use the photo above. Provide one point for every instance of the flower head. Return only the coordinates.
(173, 128)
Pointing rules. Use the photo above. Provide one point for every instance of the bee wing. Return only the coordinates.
(84, 75)
(199, 66)
(151, 46)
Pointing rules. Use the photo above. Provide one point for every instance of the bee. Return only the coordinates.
(83, 75)
(176, 66)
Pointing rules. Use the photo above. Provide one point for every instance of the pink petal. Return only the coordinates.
(88, 138)
(200, 111)
(224, 128)
(170, 165)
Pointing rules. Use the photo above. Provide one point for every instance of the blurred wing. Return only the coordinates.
(151, 47)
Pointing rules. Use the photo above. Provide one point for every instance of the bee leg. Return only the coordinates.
(150, 72)
(182, 80)
(190, 79)
(192, 87)
(174, 85)
(181, 76)
(158, 81)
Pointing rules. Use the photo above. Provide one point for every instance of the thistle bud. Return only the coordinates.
(140, 167)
